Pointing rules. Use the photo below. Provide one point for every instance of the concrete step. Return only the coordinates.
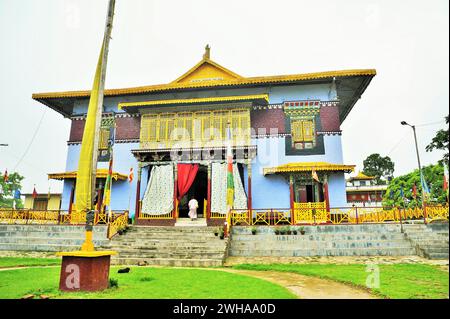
(171, 229)
(50, 235)
(164, 246)
(169, 262)
(173, 255)
(49, 228)
(438, 256)
(320, 244)
(367, 251)
(53, 241)
(187, 222)
(322, 237)
(42, 247)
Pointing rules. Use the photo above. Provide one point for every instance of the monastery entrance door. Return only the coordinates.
(198, 191)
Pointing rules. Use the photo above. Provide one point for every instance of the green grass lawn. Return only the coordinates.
(6, 262)
(146, 282)
(399, 281)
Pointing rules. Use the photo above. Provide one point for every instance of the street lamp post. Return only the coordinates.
(420, 168)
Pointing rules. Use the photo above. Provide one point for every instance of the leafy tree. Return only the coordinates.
(7, 195)
(440, 142)
(379, 167)
(434, 177)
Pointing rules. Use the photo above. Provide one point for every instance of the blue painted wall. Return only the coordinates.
(121, 191)
(268, 191)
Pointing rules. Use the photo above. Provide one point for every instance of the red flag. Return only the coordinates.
(35, 194)
(131, 175)
(5, 177)
(445, 185)
(414, 190)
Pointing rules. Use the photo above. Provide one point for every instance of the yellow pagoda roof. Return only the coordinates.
(361, 176)
(308, 167)
(101, 173)
(208, 73)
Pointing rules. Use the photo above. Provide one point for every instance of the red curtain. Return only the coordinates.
(186, 176)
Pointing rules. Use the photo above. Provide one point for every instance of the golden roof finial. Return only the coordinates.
(207, 52)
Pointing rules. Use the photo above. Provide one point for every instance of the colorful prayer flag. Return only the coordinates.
(230, 182)
(5, 176)
(445, 185)
(17, 194)
(131, 175)
(108, 183)
(425, 188)
(414, 191)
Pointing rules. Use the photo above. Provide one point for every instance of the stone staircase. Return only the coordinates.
(48, 237)
(186, 246)
(327, 240)
(187, 222)
(430, 241)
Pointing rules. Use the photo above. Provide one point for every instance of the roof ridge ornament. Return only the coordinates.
(206, 55)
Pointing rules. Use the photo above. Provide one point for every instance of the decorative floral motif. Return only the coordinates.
(158, 197)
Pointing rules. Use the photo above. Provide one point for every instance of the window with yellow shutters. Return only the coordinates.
(164, 129)
(303, 133)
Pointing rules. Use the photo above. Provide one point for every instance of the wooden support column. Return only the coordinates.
(249, 184)
(291, 193)
(327, 196)
(208, 193)
(175, 190)
(72, 195)
(138, 192)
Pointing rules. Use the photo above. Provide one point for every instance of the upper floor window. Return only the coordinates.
(160, 130)
(103, 140)
(303, 133)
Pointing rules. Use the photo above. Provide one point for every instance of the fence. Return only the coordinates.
(318, 214)
(116, 221)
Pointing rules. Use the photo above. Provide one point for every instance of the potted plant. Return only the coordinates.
(277, 231)
(253, 230)
(294, 231)
(302, 230)
(288, 231)
(221, 234)
(282, 230)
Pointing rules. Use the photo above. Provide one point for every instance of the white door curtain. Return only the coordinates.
(219, 189)
(158, 197)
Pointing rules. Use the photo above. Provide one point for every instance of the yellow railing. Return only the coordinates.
(117, 223)
(316, 213)
(310, 212)
(55, 217)
(169, 215)
(218, 215)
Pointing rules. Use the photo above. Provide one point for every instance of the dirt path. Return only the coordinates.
(306, 287)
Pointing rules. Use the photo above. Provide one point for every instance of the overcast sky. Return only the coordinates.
(53, 45)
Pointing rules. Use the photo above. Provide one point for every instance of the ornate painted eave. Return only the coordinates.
(259, 98)
(101, 173)
(308, 167)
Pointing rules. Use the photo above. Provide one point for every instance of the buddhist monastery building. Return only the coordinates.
(285, 130)
(362, 191)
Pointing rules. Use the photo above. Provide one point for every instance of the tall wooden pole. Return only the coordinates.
(107, 37)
